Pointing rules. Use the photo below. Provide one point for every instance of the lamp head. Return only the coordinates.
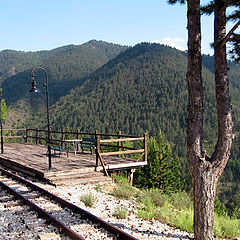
(34, 87)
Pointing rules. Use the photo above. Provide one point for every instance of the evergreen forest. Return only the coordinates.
(138, 89)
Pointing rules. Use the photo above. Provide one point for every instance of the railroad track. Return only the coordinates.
(67, 217)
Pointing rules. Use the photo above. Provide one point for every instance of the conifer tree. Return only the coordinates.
(207, 170)
(163, 170)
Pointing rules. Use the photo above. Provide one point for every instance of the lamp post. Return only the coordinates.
(1, 120)
(35, 90)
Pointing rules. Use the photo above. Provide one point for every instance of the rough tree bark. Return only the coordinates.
(206, 171)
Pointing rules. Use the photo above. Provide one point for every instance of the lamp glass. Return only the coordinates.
(34, 88)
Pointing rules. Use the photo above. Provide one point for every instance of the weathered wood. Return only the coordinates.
(27, 135)
(132, 171)
(63, 138)
(33, 160)
(121, 140)
(97, 147)
(5, 137)
(121, 166)
(145, 147)
(121, 147)
(14, 129)
(78, 137)
(122, 152)
(51, 133)
(144, 153)
(119, 143)
(48, 236)
(103, 165)
(37, 136)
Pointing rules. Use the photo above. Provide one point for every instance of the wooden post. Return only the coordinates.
(132, 171)
(62, 138)
(27, 135)
(50, 137)
(97, 137)
(78, 134)
(78, 137)
(37, 136)
(119, 143)
(145, 147)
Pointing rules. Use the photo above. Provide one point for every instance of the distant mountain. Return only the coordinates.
(109, 87)
(142, 89)
(66, 66)
(13, 62)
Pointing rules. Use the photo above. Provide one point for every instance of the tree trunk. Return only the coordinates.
(204, 195)
(206, 171)
(224, 112)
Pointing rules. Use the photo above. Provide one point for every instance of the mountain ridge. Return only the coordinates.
(136, 89)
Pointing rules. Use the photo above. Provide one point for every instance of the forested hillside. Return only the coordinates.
(142, 89)
(13, 62)
(66, 66)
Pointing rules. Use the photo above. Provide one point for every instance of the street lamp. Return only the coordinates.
(35, 90)
(1, 120)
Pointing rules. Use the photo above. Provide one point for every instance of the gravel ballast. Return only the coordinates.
(11, 226)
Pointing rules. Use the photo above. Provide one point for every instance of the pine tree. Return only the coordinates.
(207, 170)
(162, 170)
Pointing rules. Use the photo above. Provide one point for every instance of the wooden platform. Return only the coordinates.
(79, 168)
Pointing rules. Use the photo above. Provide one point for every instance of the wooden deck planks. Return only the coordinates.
(33, 160)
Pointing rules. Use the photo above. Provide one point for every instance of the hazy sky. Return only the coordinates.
(30, 25)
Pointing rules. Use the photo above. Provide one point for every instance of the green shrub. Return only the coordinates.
(175, 209)
(120, 179)
(124, 191)
(183, 219)
(167, 213)
(120, 212)
(157, 196)
(88, 199)
(181, 200)
(226, 227)
(219, 208)
(98, 188)
(147, 209)
(236, 213)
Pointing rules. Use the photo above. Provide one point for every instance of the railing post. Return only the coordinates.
(27, 134)
(145, 147)
(119, 143)
(62, 137)
(78, 137)
(130, 177)
(37, 136)
(97, 137)
(78, 134)
(50, 135)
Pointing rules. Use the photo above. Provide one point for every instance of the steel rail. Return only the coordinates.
(44, 214)
(120, 235)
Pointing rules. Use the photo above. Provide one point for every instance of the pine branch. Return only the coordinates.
(230, 33)
(208, 9)
(175, 1)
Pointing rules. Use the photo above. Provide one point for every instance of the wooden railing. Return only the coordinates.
(14, 135)
(105, 144)
(121, 149)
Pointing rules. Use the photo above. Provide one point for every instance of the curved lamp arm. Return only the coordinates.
(35, 90)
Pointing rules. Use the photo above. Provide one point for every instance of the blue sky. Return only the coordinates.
(31, 25)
